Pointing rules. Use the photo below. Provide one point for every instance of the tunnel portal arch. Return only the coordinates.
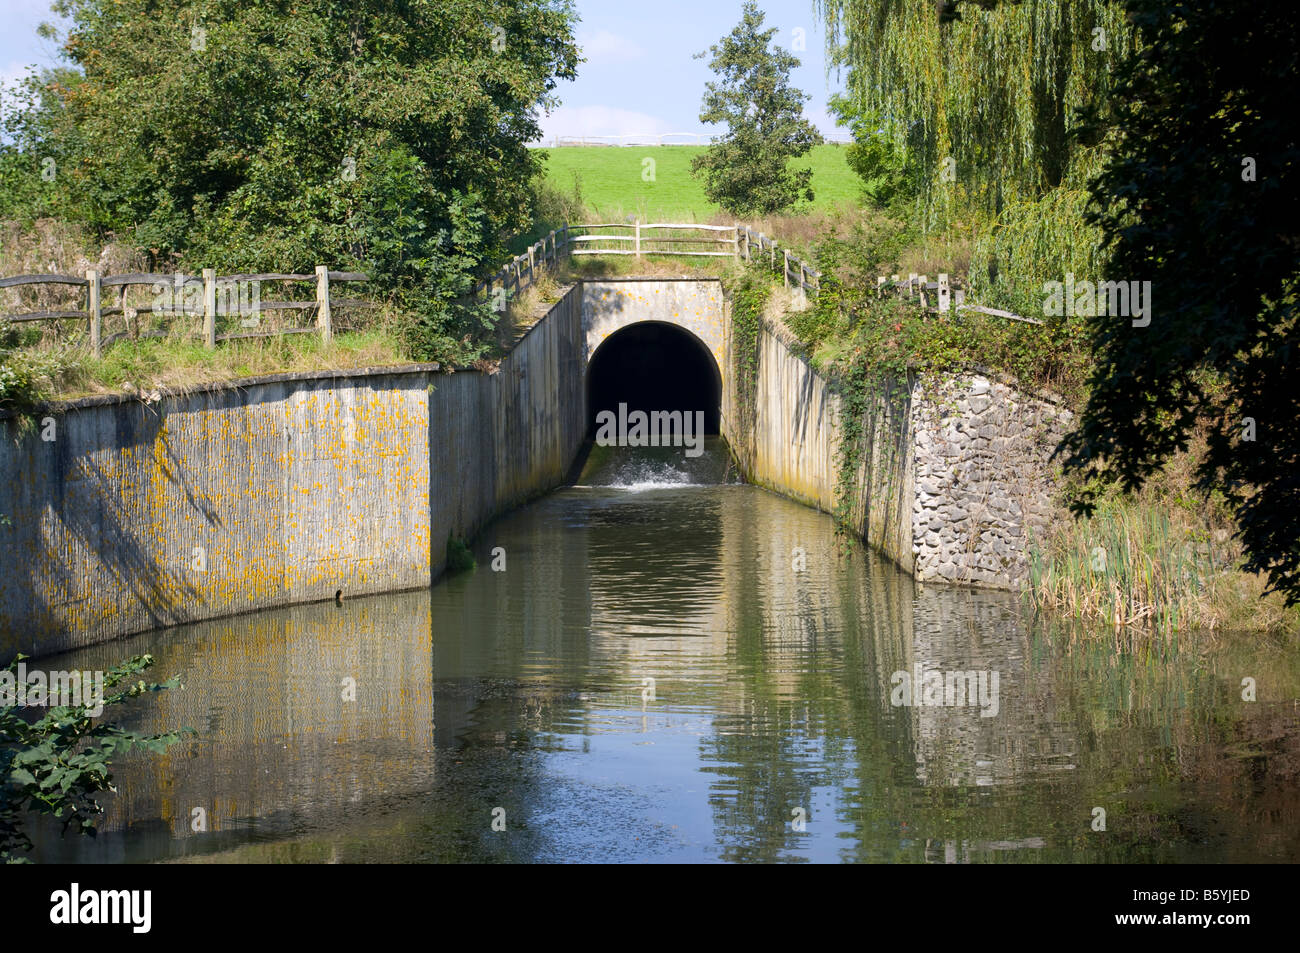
(659, 342)
(654, 366)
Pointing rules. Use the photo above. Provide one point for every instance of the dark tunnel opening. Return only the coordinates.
(653, 366)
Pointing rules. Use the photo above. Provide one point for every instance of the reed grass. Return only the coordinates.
(1151, 566)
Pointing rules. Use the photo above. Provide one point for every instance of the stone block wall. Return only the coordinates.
(954, 477)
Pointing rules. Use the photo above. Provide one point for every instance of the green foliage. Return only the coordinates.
(849, 324)
(745, 171)
(245, 137)
(1126, 565)
(854, 385)
(749, 297)
(888, 176)
(459, 556)
(997, 91)
(28, 379)
(57, 764)
(1031, 243)
(1209, 95)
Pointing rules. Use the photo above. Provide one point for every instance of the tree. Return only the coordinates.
(745, 170)
(245, 136)
(987, 101)
(888, 174)
(1201, 197)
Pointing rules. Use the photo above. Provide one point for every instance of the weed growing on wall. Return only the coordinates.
(459, 557)
(749, 297)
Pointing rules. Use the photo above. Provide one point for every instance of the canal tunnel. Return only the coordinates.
(654, 366)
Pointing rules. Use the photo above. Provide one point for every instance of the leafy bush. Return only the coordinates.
(57, 764)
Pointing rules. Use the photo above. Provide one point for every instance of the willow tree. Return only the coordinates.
(988, 102)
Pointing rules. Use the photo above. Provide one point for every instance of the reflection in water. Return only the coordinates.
(652, 677)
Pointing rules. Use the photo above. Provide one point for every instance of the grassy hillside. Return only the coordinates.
(611, 183)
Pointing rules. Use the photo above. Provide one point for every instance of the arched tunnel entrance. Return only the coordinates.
(653, 366)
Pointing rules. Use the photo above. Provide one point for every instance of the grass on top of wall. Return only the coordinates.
(181, 364)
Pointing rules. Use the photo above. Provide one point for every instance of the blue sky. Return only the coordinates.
(639, 78)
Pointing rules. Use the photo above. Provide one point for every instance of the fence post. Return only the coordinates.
(95, 309)
(324, 320)
(943, 293)
(209, 308)
(735, 240)
(785, 267)
(638, 238)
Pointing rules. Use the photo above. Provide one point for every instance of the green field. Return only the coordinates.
(612, 185)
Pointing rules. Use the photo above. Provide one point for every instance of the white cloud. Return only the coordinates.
(607, 46)
(576, 121)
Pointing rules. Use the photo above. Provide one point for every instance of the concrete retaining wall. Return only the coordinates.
(287, 489)
(277, 491)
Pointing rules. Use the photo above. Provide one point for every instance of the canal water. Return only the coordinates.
(661, 664)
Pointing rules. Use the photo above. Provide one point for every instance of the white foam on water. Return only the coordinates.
(651, 485)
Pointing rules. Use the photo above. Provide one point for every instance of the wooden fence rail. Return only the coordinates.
(212, 291)
(638, 239)
(635, 238)
(757, 247)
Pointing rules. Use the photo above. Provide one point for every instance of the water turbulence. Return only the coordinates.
(658, 468)
(655, 395)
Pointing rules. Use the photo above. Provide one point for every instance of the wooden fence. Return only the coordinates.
(521, 271)
(610, 238)
(755, 246)
(663, 139)
(215, 299)
(638, 239)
